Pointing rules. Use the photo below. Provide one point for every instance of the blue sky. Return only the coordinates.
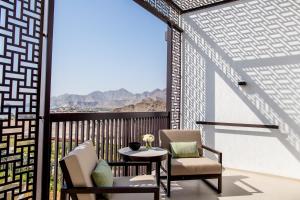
(106, 45)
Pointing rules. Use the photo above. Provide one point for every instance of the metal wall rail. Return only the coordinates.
(238, 124)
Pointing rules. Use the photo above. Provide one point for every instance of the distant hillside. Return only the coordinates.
(99, 101)
(146, 105)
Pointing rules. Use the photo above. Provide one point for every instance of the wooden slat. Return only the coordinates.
(70, 136)
(82, 132)
(107, 122)
(92, 129)
(98, 138)
(87, 130)
(115, 139)
(56, 149)
(63, 145)
(76, 133)
(102, 138)
(123, 139)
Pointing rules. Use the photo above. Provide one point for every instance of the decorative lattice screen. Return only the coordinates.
(172, 15)
(191, 4)
(20, 45)
(164, 8)
(175, 76)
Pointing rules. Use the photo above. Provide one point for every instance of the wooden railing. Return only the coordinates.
(108, 131)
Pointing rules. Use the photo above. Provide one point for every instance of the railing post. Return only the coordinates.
(169, 121)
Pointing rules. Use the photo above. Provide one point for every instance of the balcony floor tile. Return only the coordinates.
(238, 185)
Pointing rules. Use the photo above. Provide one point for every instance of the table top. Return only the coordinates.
(144, 154)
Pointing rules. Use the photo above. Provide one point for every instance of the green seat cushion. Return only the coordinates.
(102, 176)
(184, 150)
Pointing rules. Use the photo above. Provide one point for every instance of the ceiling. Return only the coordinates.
(186, 5)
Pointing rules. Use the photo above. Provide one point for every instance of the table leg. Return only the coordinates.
(149, 168)
(126, 169)
(137, 170)
(158, 173)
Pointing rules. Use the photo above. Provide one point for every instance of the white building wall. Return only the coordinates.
(257, 41)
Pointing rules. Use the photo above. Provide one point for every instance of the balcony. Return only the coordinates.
(112, 131)
(232, 66)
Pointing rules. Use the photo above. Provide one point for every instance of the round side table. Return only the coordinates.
(155, 154)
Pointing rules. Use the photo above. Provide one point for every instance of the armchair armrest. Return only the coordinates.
(214, 151)
(98, 190)
(124, 164)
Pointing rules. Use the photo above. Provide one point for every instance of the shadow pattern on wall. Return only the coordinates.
(254, 29)
(255, 41)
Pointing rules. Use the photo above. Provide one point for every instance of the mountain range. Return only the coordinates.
(112, 100)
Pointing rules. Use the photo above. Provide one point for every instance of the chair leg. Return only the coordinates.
(168, 187)
(220, 184)
(212, 186)
(62, 195)
(169, 176)
(156, 194)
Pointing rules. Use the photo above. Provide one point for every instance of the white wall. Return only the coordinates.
(259, 42)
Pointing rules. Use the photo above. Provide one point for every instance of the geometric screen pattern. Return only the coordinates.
(20, 28)
(190, 4)
(193, 87)
(256, 29)
(173, 15)
(176, 79)
(282, 84)
(165, 9)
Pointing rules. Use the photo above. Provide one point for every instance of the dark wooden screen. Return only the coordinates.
(191, 4)
(168, 12)
(20, 46)
(163, 9)
(174, 76)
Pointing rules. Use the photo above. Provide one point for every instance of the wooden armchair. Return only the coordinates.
(77, 168)
(190, 168)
